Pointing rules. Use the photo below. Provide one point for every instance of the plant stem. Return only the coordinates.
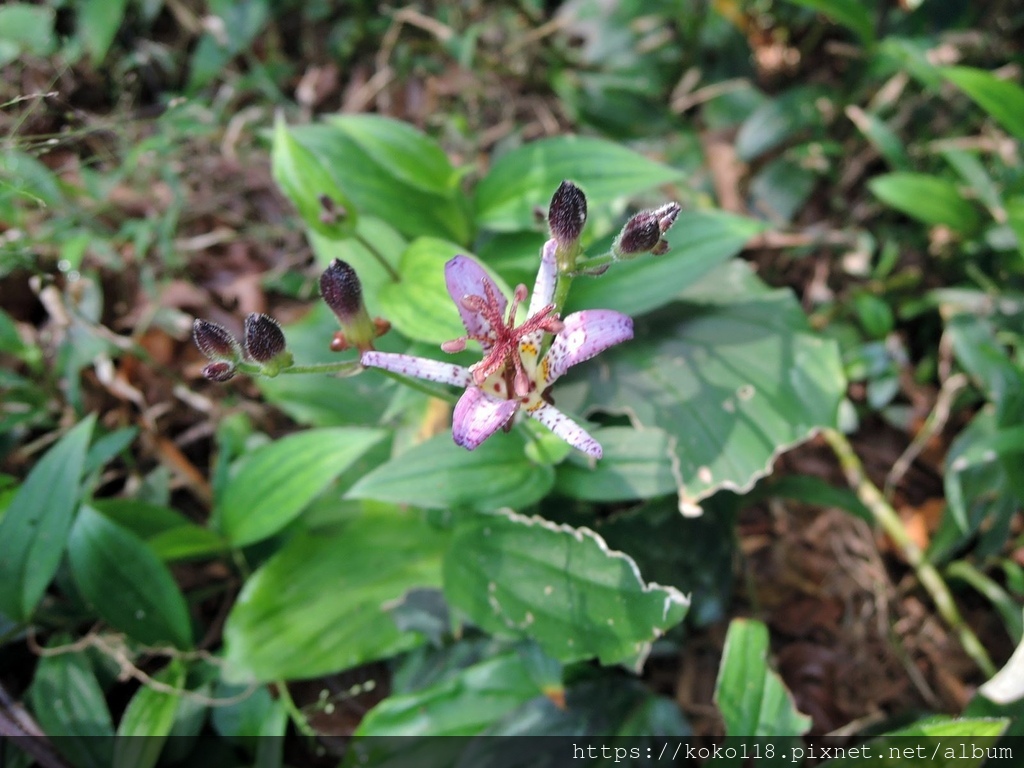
(301, 723)
(392, 272)
(347, 368)
(930, 578)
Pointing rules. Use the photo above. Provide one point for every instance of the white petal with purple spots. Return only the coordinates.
(419, 367)
(464, 277)
(477, 417)
(567, 429)
(585, 334)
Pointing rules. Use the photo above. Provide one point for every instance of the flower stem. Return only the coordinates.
(584, 265)
(392, 272)
(930, 578)
(348, 368)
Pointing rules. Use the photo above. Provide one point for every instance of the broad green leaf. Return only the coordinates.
(71, 709)
(107, 447)
(526, 177)
(302, 177)
(419, 306)
(976, 348)
(733, 375)
(777, 120)
(637, 464)
(699, 242)
(852, 14)
(379, 188)
(462, 705)
(277, 481)
(929, 199)
(751, 697)
(438, 474)
(1002, 99)
(170, 534)
(780, 190)
(34, 531)
(319, 605)
(405, 152)
(935, 742)
(25, 29)
(524, 577)
(124, 580)
(323, 400)
(148, 719)
(98, 22)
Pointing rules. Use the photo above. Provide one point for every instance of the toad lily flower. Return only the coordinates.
(512, 374)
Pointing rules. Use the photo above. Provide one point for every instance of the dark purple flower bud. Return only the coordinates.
(215, 341)
(341, 290)
(219, 371)
(567, 214)
(264, 340)
(642, 233)
(667, 216)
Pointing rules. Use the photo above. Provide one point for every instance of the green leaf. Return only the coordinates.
(318, 605)
(637, 464)
(526, 177)
(25, 28)
(277, 481)
(148, 719)
(419, 306)
(380, 187)
(523, 577)
(126, 582)
(751, 697)
(98, 22)
(69, 704)
(438, 474)
(699, 242)
(256, 722)
(852, 14)
(170, 534)
(935, 742)
(462, 705)
(402, 151)
(882, 137)
(308, 184)
(733, 375)
(1002, 99)
(34, 531)
(928, 199)
(777, 120)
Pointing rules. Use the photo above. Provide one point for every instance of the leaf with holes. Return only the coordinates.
(525, 577)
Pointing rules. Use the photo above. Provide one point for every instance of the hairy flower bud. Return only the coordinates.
(567, 213)
(219, 371)
(343, 293)
(264, 341)
(215, 341)
(642, 233)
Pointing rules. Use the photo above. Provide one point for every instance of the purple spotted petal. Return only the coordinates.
(464, 277)
(585, 334)
(567, 429)
(477, 417)
(544, 287)
(419, 367)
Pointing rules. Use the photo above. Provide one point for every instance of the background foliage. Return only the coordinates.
(826, 365)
